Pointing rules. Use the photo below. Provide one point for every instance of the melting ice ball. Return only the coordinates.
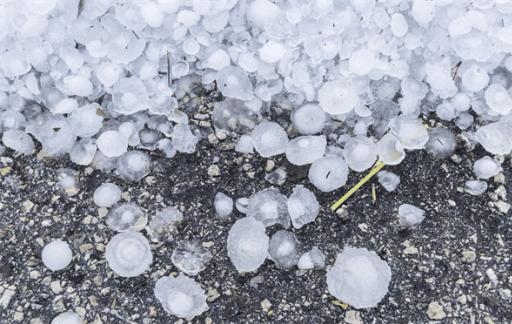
(163, 222)
(18, 141)
(247, 244)
(127, 217)
(133, 165)
(359, 277)
(223, 205)
(496, 138)
(390, 150)
(309, 119)
(338, 97)
(181, 296)
(112, 143)
(410, 216)
(305, 149)
(56, 255)
(388, 180)
(190, 257)
(328, 173)
(498, 99)
(284, 249)
(233, 82)
(486, 168)
(312, 259)
(302, 206)
(475, 187)
(269, 207)
(129, 254)
(67, 318)
(360, 153)
(106, 195)
(441, 143)
(269, 139)
(410, 131)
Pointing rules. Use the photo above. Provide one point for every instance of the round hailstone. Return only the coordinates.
(86, 120)
(262, 13)
(302, 206)
(233, 82)
(475, 78)
(359, 277)
(498, 99)
(283, 249)
(223, 205)
(191, 46)
(152, 14)
(112, 143)
(129, 96)
(305, 149)
(441, 143)
(315, 258)
(495, 138)
(244, 144)
(328, 173)
(133, 166)
(67, 318)
(269, 139)
(108, 73)
(128, 254)
(181, 296)
(362, 61)
(215, 23)
(218, 60)
(190, 257)
(65, 106)
(486, 168)
(390, 150)
(83, 151)
(360, 152)
(269, 207)
(56, 255)
(410, 131)
(127, 217)
(40, 7)
(78, 85)
(18, 141)
(247, 244)
(338, 97)
(272, 52)
(164, 222)
(169, 6)
(106, 195)
(398, 24)
(410, 216)
(445, 111)
(309, 119)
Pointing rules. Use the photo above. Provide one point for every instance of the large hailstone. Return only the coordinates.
(112, 143)
(441, 143)
(247, 244)
(106, 195)
(18, 141)
(133, 165)
(127, 217)
(181, 296)
(410, 131)
(128, 254)
(305, 149)
(495, 138)
(486, 168)
(359, 277)
(328, 173)
(269, 207)
(284, 249)
(309, 119)
(269, 139)
(234, 83)
(302, 206)
(338, 97)
(56, 255)
(360, 153)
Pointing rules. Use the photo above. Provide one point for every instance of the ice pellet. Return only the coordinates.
(388, 180)
(269, 206)
(190, 257)
(223, 205)
(127, 217)
(309, 119)
(328, 173)
(128, 254)
(302, 206)
(410, 216)
(305, 149)
(284, 249)
(106, 195)
(475, 187)
(67, 318)
(486, 168)
(56, 255)
(269, 139)
(247, 244)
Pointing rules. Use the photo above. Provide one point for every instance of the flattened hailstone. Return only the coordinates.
(269, 207)
(359, 277)
(128, 254)
(475, 187)
(388, 180)
(18, 141)
(305, 149)
(498, 99)
(263, 13)
(423, 11)
(56, 255)
(409, 216)
(328, 173)
(67, 318)
(218, 60)
(302, 206)
(495, 138)
(106, 195)
(309, 119)
(362, 61)
(486, 168)
(112, 143)
(127, 217)
(269, 139)
(441, 143)
(223, 205)
(312, 259)
(284, 249)
(83, 151)
(181, 296)
(164, 222)
(190, 257)
(272, 52)
(247, 244)
(86, 120)
(40, 7)
(410, 131)
(78, 85)
(360, 153)
(475, 78)
(338, 97)
(133, 166)
(233, 82)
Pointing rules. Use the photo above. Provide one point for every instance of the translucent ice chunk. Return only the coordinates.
(67, 179)
(302, 206)
(272, 52)
(269, 139)
(223, 205)
(128, 254)
(233, 115)
(284, 249)
(108, 73)
(183, 139)
(398, 24)
(338, 97)
(106, 195)
(86, 120)
(152, 14)
(56, 255)
(312, 259)
(498, 99)
(112, 143)
(78, 85)
(233, 82)
(67, 318)
(441, 143)
(218, 60)
(360, 153)
(309, 119)
(486, 168)
(410, 216)
(133, 165)
(247, 244)
(305, 149)
(244, 144)
(423, 11)
(262, 13)
(329, 173)
(164, 222)
(181, 296)
(475, 78)
(129, 96)
(475, 187)
(410, 131)
(83, 151)
(388, 180)
(269, 207)
(127, 217)
(40, 7)
(362, 61)
(18, 140)
(190, 257)
(495, 138)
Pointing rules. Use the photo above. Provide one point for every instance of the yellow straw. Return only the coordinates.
(376, 168)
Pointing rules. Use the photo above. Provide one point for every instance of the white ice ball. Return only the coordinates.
(56, 255)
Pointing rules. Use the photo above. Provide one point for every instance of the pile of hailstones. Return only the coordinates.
(100, 80)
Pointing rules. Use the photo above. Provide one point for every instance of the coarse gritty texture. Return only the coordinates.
(431, 263)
